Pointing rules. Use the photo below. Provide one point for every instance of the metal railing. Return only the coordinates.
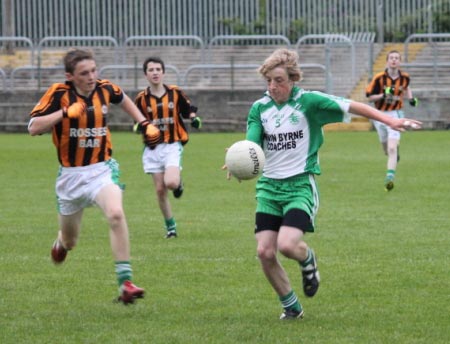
(238, 39)
(68, 41)
(24, 40)
(428, 37)
(187, 40)
(4, 79)
(208, 18)
(137, 72)
(35, 72)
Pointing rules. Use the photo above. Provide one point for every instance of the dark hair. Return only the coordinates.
(153, 59)
(74, 56)
(393, 52)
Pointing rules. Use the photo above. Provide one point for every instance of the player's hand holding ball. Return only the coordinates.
(74, 111)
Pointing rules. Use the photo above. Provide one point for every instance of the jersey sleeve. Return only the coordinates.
(139, 101)
(328, 108)
(374, 86)
(255, 128)
(184, 103)
(115, 92)
(50, 101)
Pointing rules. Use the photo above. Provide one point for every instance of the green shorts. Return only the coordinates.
(278, 196)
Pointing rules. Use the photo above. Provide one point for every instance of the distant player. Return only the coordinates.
(287, 122)
(77, 114)
(388, 90)
(165, 106)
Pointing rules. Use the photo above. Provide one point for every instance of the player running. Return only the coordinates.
(387, 90)
(77, 114)
(165, 106)
(287, 122)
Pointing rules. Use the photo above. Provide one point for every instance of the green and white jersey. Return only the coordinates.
(291, 133)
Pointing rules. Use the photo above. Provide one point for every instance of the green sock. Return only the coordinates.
(290, 302)
(308, 260)
(390, 173)
(170, 224)
(123, 271)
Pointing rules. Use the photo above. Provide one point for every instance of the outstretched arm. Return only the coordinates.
(367, 111)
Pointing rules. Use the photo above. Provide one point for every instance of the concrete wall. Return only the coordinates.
(221, 110)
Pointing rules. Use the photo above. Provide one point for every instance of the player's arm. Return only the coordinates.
(151, 134)
(413, 101)
(374, 92)
(254, 126)
(188, 110)
(376, 97)
(131, 109)
(399, 124)
(41, 124)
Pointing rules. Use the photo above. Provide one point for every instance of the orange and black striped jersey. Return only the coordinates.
(87, 140)
(167, 112)
(380, 82)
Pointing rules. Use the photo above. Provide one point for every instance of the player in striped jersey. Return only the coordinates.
(165, 106)
(387, 90)
(287, 122)
(76, 113)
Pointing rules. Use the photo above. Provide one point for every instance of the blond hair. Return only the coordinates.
(285, 58)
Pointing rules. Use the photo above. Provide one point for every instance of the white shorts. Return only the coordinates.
(384, 131)
(77, 187)
(164, 155)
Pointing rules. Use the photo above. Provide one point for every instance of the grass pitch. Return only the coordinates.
(383, 257)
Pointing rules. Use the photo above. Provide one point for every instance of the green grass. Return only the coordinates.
(383, 257)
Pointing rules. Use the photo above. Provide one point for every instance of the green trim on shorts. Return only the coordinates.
(115, 172)
(278, 196)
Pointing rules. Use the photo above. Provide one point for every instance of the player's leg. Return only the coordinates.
(172, 163)
(109, 199)
(164, 204)
(382, 133)
(172, 180)
(271, 266)
(392, 149)
(67, 236)
(70, 203)
(291, 245)
(267, 254)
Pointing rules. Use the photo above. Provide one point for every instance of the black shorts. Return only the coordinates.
(293, 218)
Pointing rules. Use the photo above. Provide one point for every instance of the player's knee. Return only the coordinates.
(286, 248)
(292, 249)
(266, 253)
(115, 215)
(161, 192)
(172, 184)
(392, 150)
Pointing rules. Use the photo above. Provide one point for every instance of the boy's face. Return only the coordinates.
(154, 73)
(393, 60)
(84, 76)
(279, 85)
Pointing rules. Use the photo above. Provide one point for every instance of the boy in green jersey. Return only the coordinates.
(287, 122)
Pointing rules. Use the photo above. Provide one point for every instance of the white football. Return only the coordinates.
(245, 160)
